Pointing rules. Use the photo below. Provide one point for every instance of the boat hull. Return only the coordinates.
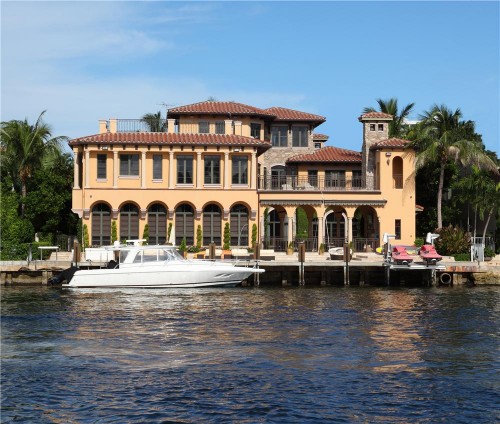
(207, 274)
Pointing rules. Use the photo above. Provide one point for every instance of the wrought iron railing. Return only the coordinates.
(295, 183)
(141, 125)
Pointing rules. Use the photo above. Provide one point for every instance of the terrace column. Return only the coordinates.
(143, 170)
(226, 170)
(171, 170)
(290, 229)
(349, 228)
(171, 126)
(199, 171)
(253, 175)
(116, 167)
(87, 168)
(320, 231)
(76, 172)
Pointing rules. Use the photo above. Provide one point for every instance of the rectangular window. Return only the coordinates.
(357, 179)
(397, 229)
(212, 169)
(203, 127)
(372, 127)
(184, 170)
(240, 170)
(312, 177)
(157, 167)
(101, 167)
(255, 130)
(129, 165)
(279, 136)
(335, 179)
(381, 127)
(299, 137)
(220, 127)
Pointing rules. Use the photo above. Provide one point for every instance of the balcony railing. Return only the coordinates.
(141, 125)
(294, 183)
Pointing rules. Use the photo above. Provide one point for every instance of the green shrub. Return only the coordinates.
(19, 251)
(182, 247)
(462, 257)
(145, 233)
(169, 231)
(227, 237)
(419, 242)
(199, 237)
(114, 231)
(193, 249)
(254, 235)
(452, 240)
(488, 252)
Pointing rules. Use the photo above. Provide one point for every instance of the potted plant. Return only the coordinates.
(290, 248)
(227, 239)
(169, 231)
(183, 247)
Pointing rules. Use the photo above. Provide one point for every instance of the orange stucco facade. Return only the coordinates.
(214, 163)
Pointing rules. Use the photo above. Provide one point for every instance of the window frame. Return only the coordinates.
(102, 167)
(297, 131)
(239, 176)
(255, 129)
(278, 138)
(201, 125)
(183, 171)
(214, 172)
(129, 160)
(156, 158)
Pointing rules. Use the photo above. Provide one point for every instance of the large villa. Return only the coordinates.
(212, 163)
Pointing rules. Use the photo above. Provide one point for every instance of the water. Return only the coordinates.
(294, 355)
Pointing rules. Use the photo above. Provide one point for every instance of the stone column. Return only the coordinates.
(226, 170)
(76, 172)
(87, 168)
(143, 170)
(171, 167)
(199, 171)
(320, 231)
(116, 167)
(253, 170)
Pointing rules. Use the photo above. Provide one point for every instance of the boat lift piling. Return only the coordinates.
(256, 256)
(302, 259)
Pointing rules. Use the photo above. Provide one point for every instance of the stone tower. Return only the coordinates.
(375, 129)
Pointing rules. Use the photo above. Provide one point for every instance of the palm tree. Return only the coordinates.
(443, 138)
(396, 127)
(26, 148)
(155, 122)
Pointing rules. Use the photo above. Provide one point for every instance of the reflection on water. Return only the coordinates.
(250, 355)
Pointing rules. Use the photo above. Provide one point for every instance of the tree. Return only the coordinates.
(27, 148)
(155, 122)
(390, 106)
(444, 138)
(227, 237)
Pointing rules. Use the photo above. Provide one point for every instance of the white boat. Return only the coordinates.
(157, 267)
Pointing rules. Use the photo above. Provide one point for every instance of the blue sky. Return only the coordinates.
(84, 61)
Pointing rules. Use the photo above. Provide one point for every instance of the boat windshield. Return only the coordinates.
(149, 255)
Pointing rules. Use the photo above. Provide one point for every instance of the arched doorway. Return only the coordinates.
(365, 229)
(184, 224)
(335, 228)
(157, 224)
(129, 222)
(239, 225)
(101, 225)
(212, 222)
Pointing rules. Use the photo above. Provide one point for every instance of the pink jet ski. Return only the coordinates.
(429, 255)
(400, 256)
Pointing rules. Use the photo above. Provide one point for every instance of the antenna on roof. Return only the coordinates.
(167, 106)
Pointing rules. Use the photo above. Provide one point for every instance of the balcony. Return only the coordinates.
(141, 125)
(295, 183)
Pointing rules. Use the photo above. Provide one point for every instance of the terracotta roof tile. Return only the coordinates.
(376, 115)
(219, 108)
(328, 154)
(283, 114)
(390, 143)
(161, 138)
(319, 137)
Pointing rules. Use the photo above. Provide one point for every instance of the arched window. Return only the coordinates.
(211, 225)
(129, 222)
(157, 224)
(101, 225)
(397, 172)
(239, 225)
(184, 224)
